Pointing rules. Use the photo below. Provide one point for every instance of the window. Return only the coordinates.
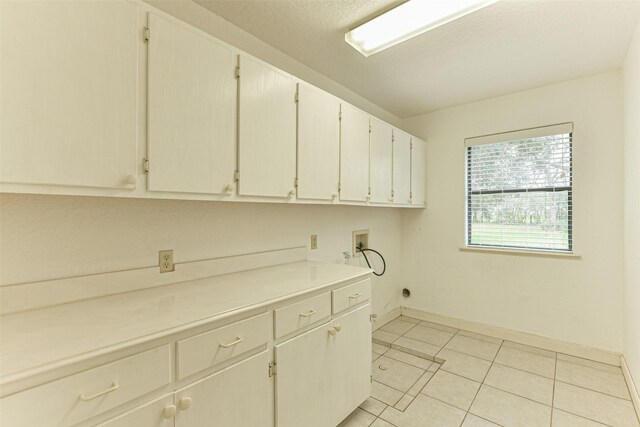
(519, 190)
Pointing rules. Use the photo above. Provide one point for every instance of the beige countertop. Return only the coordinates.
(35, 341)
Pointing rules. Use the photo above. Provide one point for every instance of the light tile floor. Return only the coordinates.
(426, 375)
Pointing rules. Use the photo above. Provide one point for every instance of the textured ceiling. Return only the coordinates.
(510, 46)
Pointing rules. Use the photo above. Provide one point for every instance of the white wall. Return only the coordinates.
(196, 15)
(632, 206)
(577, 300)
(45, 237)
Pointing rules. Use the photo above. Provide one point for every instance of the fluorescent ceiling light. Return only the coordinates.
(408, 20)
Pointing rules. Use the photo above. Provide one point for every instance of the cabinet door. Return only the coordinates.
(69, 93)
(354, 154)
(305, 382)
(154, 414)
(267, 131)
(418, 172)
(192, 98)
(351, 362)
(322, 377)
(401, 168)
(381, 162)
(318, 144)
(239, 396)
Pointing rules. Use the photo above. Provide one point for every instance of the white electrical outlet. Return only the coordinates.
(360, 237)
(166, 261)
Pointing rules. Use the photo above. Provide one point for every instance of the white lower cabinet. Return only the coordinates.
(236, 374)
(324, 374)
(238, 396)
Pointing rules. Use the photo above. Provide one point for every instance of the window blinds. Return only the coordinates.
(519, 189)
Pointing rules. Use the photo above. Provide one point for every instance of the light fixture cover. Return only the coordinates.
(408, 20)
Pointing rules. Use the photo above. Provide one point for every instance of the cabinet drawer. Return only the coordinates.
(80, 396)
(351, 295)
(303, 313)
(210, 348)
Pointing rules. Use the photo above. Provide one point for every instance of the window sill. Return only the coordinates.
(570, 255)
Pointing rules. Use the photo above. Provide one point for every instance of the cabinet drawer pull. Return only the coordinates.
(231, 344)
(309, 314)
(355, 296)
(113, 387)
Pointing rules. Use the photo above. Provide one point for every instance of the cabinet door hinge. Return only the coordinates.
(371, 379)
(372, 317)
(146, 34)
(339, 115)
(237, 72)
(296, 97)
(411, 145)
(339, 187)
(295, 182)
(369, 128)
(145, 165)
(236, 175)
(273, 369)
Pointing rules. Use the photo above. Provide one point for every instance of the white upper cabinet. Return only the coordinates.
(267, 130)
(418, 172)
(401, 168)
(354, 154)
(69, 93)
(318, 144)
(381, 162)
(192, 110)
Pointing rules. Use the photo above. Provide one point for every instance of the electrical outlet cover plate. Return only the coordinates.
(314, 241)
(360, 236)
(165, 260)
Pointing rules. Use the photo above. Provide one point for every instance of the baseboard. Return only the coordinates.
(385, 318)
(559, 346)
(631, 385)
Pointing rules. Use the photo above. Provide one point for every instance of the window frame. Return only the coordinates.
(542, 131)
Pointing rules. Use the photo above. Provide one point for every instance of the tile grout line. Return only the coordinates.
(595, 391)
(553, 391)
(482, 382)
(522, 370)
(425, 370)
(424, 373)
(582, 417)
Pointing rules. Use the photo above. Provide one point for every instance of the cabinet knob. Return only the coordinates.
(169, 411)
(337, 327)
(131, 179)
(292, 194)
(334, 196)
(229, 188)
(184, 404)
(332, 331)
